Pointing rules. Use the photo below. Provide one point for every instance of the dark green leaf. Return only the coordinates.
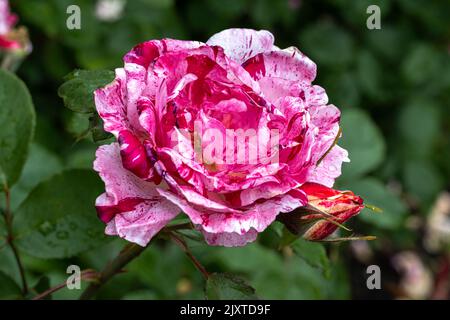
(389, 42)
(17, 122)
(58, 218)
(422, 179)
(140, 295)
(369, 74)
(3, 233)
(40, 165)
(327, 44)
(363, 141)
(422, 64)
(287, 237)
(8, 288)
(228, 287)
(313, 253)
(96, 127)
(421, 113)
(150, 269)
(249, 259)
(78, 90)
(77, 124)
(342, 89)
(42, 285)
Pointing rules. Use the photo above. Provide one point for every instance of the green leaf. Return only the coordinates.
(388, 43)
(150, 269)
(342, 89)
(312, 253)
(82, 157)
(78, 90)
(58, 219)
(327, 44)
(3, 232)
(17, 122)
(77, 124)
(144, 294)
(422, 65)
(423, 113)
(221, 286)
(96, 127)
(8, 263)
(274, 276)
(369, 74)
(422, 180)
(42, 285)
(9, 290)
(40, 165)
(363, 141)
(287, 237)
(248, 259)
(374, 192)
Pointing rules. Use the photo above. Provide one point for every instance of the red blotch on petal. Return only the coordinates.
(134, 156)
(107, 213)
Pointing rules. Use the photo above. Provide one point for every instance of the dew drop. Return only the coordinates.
(46, 228)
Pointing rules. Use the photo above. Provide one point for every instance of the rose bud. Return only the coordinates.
(326, 210)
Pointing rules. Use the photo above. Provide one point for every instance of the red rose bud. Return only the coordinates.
(327, 209)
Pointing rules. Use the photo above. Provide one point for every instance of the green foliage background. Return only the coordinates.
(392, 85)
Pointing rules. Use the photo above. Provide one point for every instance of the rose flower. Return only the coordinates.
(230, 132)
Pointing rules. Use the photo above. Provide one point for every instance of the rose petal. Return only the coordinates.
(326, 119)
(8, 44)
(7, 19)
(330, 167)
(109, 102)
(241, 44)
(146, 52)
(143, 216)
(256, 217)
(230, 239)
(288, 64)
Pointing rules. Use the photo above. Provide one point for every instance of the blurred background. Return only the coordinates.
(392, 85)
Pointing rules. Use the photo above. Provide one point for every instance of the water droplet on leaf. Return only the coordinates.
(46, 228)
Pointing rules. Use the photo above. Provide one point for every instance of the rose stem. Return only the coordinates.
(9, 229)
(85, 275)
(130, 252)
(182, 244)
(127, 254)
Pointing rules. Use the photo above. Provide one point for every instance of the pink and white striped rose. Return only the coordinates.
(237, 80)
